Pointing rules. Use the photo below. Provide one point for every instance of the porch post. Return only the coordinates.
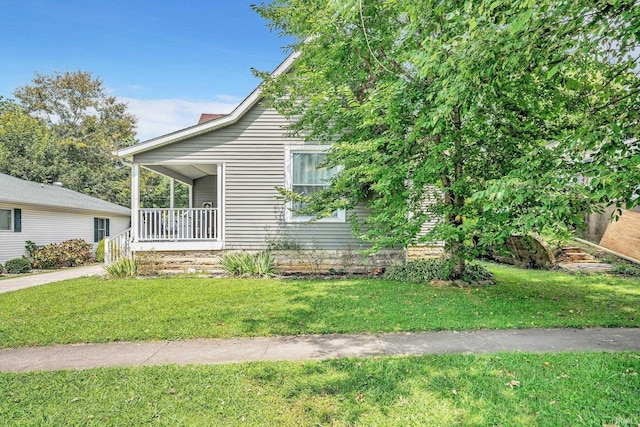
(135, 200)
(220, 203)
(190, 196)
(172, 192)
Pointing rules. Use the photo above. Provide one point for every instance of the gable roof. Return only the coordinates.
(205, 127)
(16, 190)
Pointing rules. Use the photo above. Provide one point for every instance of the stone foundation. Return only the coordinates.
(290, 261)
(339, 261)
(424, 252)
(154, 262)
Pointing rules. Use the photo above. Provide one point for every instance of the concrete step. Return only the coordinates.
(586, 266)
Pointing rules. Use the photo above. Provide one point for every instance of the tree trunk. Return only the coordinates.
(458, 199)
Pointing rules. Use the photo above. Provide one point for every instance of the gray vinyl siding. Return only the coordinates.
(431, 193)
(205, 189)
(252, 151)
(44, 225)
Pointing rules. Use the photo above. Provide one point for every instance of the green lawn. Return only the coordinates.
(515, 389)
(93, 310)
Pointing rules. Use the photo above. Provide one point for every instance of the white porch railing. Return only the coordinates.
(117, 247)
(162, 224)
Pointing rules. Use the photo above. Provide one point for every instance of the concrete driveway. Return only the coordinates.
(21, 282)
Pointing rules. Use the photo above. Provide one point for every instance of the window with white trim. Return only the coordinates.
(305, 176)
(5, 220)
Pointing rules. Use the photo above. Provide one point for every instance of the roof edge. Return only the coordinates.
(70, 208)
(205, 127)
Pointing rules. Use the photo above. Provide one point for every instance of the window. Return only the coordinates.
(100, 228)
(5, 219)
(305, 176)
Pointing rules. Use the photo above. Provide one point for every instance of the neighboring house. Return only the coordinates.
(232, 165)
(52, 214)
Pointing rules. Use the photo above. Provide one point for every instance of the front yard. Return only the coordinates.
(92, 310)
(518, 389)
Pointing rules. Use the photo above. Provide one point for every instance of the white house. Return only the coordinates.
(52, 214)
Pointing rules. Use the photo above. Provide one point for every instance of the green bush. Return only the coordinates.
(1, 269)
(46, 256)
(626, 270)
(18, 266)
(69, 253)
(126, 267)
(31, 247)
(246, 264)
(100, 251)
(426, 270)
(76, 252)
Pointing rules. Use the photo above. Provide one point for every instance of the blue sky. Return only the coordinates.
(170, 60)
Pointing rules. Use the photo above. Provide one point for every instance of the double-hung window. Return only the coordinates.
(100, 228)
(305, 176)
(5, 220)
(11, 220)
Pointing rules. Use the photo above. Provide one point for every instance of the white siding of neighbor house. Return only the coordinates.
(44, 225)
(253, 153)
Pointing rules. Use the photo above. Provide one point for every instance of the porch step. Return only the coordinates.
(571, 254)
(577, 256)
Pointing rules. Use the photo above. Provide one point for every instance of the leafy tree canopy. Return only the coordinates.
(64, 127)
(487, 108)
(27, 148)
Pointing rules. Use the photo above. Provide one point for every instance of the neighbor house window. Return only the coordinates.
(305, 176)
(5, 219)
(100, 228)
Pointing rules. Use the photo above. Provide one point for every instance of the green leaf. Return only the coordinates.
(553, 71)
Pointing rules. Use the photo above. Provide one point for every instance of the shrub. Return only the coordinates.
(126, 267)
(31, 247)
(18, 266)
(426, 270)
(1, 269)
(100, 251)
(246, 264)
(76, 252)
(66, 254)
(46, 256)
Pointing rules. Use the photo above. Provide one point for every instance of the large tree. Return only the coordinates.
(27, 147)
(484, 109)
(86, 126)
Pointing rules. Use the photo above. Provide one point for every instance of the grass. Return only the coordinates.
(472, 390)
(93, 310)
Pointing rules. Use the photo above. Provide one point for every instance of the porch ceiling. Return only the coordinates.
(185, 173)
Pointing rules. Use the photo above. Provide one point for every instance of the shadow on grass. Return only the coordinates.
(521, 299)
(474, 390)
(84, 310)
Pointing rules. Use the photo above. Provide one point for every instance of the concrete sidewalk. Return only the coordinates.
(314, 347)
(30, 280)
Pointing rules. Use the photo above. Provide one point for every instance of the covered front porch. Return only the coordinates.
(200, 226)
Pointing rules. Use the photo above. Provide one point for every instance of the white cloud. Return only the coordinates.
(228, 98)
(158, 117)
